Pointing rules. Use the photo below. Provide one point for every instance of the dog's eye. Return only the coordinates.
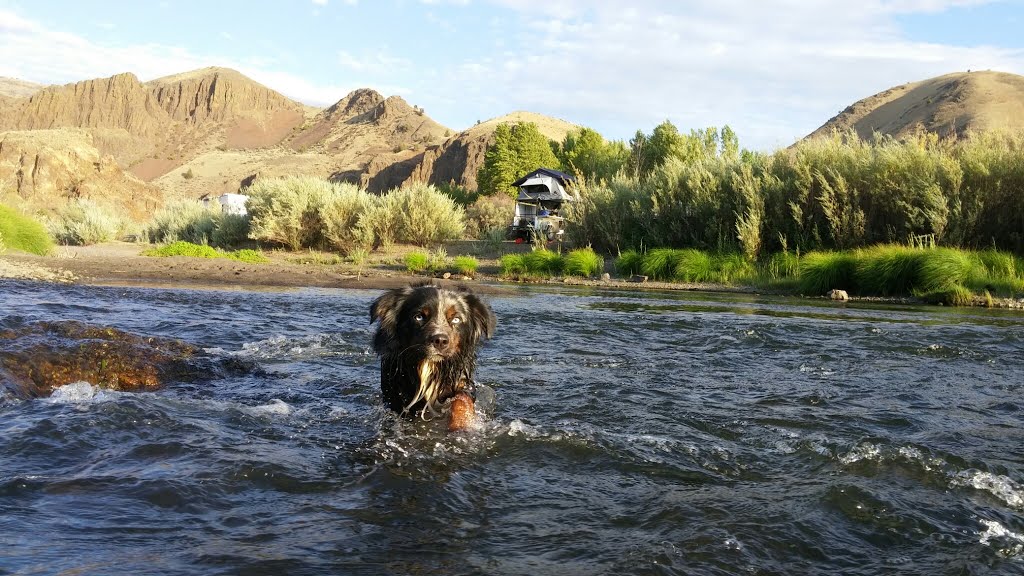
(419, 317)
(456, 320)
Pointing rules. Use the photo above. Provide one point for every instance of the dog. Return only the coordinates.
(427, 340)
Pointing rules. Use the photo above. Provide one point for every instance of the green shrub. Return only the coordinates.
(824, 271)
(416, 262)
(84, 222)
(489, 213)
(628, 263)
(230, 230)
(419, 214)
(343, 213)
(20, 232)
(465, 265)
(583, 262)
(543, 262)
(185, 220)
(438, 260)
(732, 267)
(287, 211)
(512, 265)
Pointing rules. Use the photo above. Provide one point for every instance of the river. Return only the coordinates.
(625, 432)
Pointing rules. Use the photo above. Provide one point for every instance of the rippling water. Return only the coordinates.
(626, 433)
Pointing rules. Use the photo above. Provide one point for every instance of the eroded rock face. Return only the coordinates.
(36, 358)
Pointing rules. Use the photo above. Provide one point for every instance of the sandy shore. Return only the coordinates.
(121, 263)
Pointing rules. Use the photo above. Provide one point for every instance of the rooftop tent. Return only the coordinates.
(545, 184)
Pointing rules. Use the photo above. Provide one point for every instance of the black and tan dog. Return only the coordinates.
(427, 341)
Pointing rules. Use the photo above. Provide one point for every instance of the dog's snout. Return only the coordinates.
(439, 340)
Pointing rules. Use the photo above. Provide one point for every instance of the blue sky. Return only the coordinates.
(773, 70)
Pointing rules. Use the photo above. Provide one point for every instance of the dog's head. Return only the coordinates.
(437, 323)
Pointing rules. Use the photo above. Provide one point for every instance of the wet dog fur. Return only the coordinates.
(427, 339)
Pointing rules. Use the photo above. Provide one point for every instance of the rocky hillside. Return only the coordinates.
(43, 169)
(153, 127)
(948, 105)
(214, 130)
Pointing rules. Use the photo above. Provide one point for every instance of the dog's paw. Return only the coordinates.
(462, 412)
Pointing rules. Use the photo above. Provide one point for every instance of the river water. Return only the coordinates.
(625, 433)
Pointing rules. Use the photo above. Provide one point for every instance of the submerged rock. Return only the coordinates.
(36, 358)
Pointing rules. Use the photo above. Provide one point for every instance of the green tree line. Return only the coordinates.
(701, 190)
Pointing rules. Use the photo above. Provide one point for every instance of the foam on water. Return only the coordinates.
(295, 348)
(276, 407)
(999, 486)
(80, 393)
(1006, 541)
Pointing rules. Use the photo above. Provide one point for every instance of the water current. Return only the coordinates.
(624, 432)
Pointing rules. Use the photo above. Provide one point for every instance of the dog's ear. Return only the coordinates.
(386, 306)
(483, 318)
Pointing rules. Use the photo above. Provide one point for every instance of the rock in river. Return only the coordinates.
(36, 358)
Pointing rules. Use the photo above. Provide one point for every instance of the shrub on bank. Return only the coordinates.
(628, 263)
(416, 262)
(511, 265)
(465, 265)
(191, 250)
(583, 262)
(543, 263)
(83, 222)
(22, 232)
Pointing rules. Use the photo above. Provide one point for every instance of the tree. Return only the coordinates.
(517, 149)
(586, 152)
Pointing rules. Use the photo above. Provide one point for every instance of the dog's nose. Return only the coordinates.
(440, 341)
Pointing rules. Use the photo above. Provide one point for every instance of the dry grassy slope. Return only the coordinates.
(220, 171)
(41, 170)
(946, 105)
(14, 88)
(459, 158)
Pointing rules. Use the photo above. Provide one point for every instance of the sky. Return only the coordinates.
(773, 70)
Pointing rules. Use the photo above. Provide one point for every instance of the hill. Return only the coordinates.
(15, 88)
(948, 105)
(214, 130)
(459, 158)
(44, 169)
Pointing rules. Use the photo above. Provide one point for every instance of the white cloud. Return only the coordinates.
(379, 61)
(320, 2)
(774, 71)
(31, 52)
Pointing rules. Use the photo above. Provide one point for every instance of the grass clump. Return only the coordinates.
(583, 262)
(543, 263)
(191, 250)
(416, 262)
(247, 255)
(824, 271)
(628, 263)
(21, 232)
(465, 265)
(660, 263)
(183, 248)
(889, 269)
(512, 265)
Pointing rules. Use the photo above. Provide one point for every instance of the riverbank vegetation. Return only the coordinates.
(182, 248)
(21, 232)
